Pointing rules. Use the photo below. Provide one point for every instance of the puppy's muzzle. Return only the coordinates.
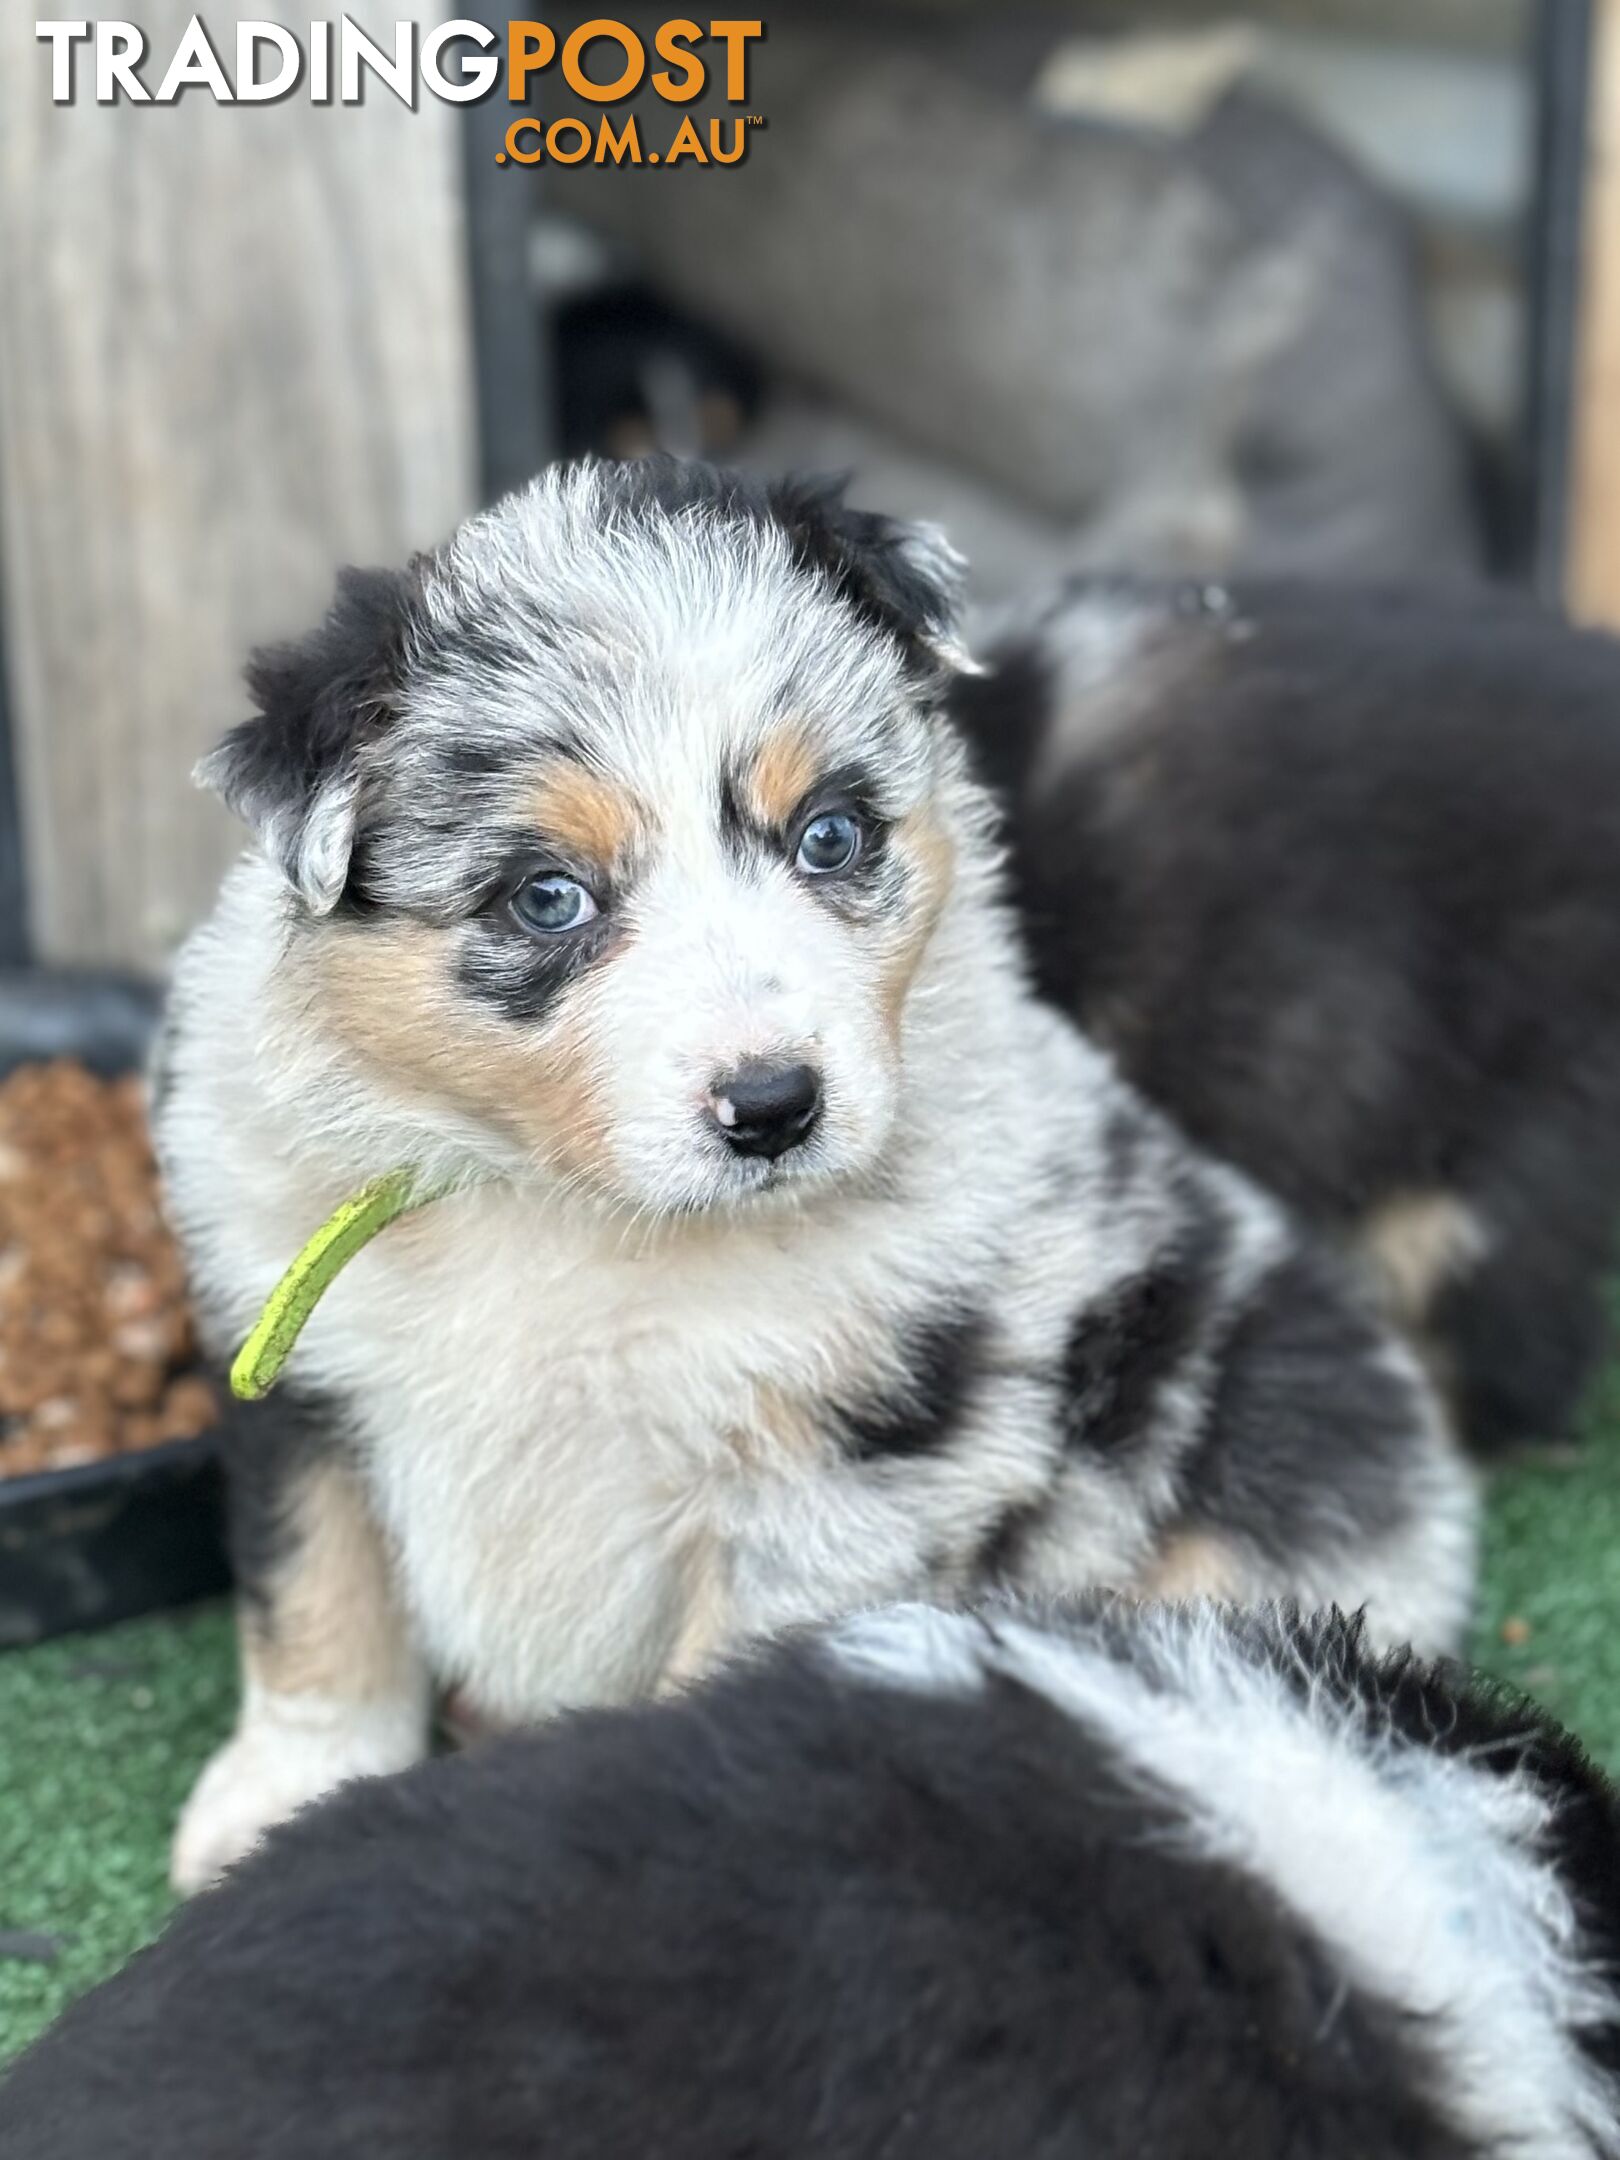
(765, 1109)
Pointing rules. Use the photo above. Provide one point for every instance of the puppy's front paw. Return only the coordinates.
(286, 1752)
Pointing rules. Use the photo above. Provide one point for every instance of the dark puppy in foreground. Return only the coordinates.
(1337, 878)
(931, 1886)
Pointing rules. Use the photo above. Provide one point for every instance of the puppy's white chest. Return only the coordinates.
(539, 1439)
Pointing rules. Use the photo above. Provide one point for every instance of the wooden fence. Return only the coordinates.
(234, 351)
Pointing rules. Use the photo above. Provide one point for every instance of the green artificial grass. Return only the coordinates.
(101, 1735)
(1549, 1618)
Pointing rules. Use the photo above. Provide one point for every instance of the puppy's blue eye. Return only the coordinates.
(830, 843)
(549, 905)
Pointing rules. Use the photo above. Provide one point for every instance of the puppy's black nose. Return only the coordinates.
(766, 1109)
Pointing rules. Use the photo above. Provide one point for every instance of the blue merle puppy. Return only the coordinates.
(617, 863)
(930, 1886)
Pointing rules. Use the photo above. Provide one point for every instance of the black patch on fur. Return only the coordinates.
(862, 556)
(519, 974)
(1003, 1552)
(1309, 1428)
(1524, 1328)
(917, 1412)
(359, 902)
(738, 830)
(792, 1916)
(1122, 1349)
(474, 757)
(268, 1449)
(522, 977)
(1005, 713)
(318, 698)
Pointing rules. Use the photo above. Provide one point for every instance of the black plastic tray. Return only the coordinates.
(104, 1541)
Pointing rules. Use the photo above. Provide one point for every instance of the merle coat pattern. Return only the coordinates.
(616, 864)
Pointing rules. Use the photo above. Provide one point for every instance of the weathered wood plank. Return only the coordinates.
(1593, 576)
(233, 352)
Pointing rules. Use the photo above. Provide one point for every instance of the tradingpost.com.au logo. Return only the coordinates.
(601, 63)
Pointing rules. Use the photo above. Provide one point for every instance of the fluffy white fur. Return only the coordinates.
(1427, 1876)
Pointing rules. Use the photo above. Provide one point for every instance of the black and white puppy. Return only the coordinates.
(617, 862)
(1334, 874)
(934, 1886)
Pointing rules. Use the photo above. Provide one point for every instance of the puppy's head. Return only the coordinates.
(615, 833)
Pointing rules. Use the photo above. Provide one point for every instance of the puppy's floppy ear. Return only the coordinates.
(294, 772)
(907, 578)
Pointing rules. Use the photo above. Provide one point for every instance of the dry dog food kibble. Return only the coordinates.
(96, 1345)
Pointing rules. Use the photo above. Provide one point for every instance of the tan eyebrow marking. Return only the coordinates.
(781, 776)
(591, 816)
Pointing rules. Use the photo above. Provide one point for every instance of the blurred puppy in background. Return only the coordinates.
(1336, 877)
(617, 864)
(932, 1886)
